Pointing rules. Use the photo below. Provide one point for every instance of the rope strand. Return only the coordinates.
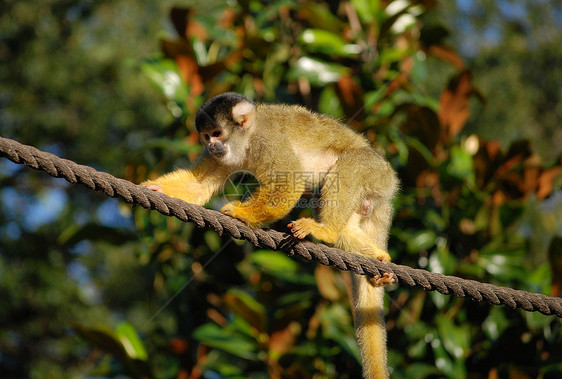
(272, 239)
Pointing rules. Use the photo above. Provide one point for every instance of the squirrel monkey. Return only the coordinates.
(290, 149)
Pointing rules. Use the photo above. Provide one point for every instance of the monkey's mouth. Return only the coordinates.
(218, 152)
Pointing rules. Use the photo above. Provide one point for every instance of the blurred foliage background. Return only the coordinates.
(463, 98)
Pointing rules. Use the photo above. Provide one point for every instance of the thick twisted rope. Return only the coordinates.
(272, 239)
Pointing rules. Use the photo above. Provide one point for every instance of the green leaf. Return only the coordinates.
(455, 338)
(164, 74)
(482, 217)
(368, 10)
(227, 340)
(127, 334)
(396, 138)
(247, 307)
(495, 323)
(240, 325)
(504, 265)
(280, 266)
(316, 71)
(387, 108)
(455, 341)
(441, 260)
(213, 240)
(336, 325)
(439, 299)
(325, 42)
(329, 103)
(273, 261)
(103, 338)
(320, 16)
(417, 145)
(420, 72)
(391, 55)
(417, 349)
(229, 371)
(434, 220)
(421, 370)
(421, 240)
(540, 279)
(124, 344)
(274, 67)
(373, 97)
(536, 320)
(200, 52)
(461, 165)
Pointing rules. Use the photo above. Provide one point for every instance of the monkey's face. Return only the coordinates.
(226, 143)
(224, 124)
(215, 140)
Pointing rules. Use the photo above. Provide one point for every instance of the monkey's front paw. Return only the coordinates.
(302, 227)
(152, 186)
(385, 279)
(237, 210)
(231, 209)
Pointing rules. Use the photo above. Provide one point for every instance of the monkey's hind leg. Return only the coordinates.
(354, 238)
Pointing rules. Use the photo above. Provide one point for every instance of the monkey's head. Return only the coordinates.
(223, 124)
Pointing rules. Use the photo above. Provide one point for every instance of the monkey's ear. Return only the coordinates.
(244, 114)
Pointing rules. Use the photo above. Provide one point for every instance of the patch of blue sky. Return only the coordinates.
(11, 231)
(88, 290)
(111, 214)
(33, 212)
(8, 168)
(46, 209)
(513, 10)
(465, 6)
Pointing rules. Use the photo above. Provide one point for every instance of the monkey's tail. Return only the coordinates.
(364, 235)
(368, 302)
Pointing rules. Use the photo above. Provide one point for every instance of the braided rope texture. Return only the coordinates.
(272, 239)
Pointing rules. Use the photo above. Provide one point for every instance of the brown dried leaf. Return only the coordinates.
(178, 345)
(196, 30)
(227, 18)
(530, 175)
(325, 280)
(189, 71)
(493, 148)
(508, 165)
(215, 316)
(546, 181)
(172, 49)
(555, 258)
(447, 55)
(351, 98)
(252, 316)
(454, 104)
(283, 340)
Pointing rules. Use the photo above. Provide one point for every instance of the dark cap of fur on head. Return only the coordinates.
(221, 106)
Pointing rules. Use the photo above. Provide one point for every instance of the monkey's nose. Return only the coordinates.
(217, 149)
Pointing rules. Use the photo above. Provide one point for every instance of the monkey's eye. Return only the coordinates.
(217, 133)
(206, 136)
